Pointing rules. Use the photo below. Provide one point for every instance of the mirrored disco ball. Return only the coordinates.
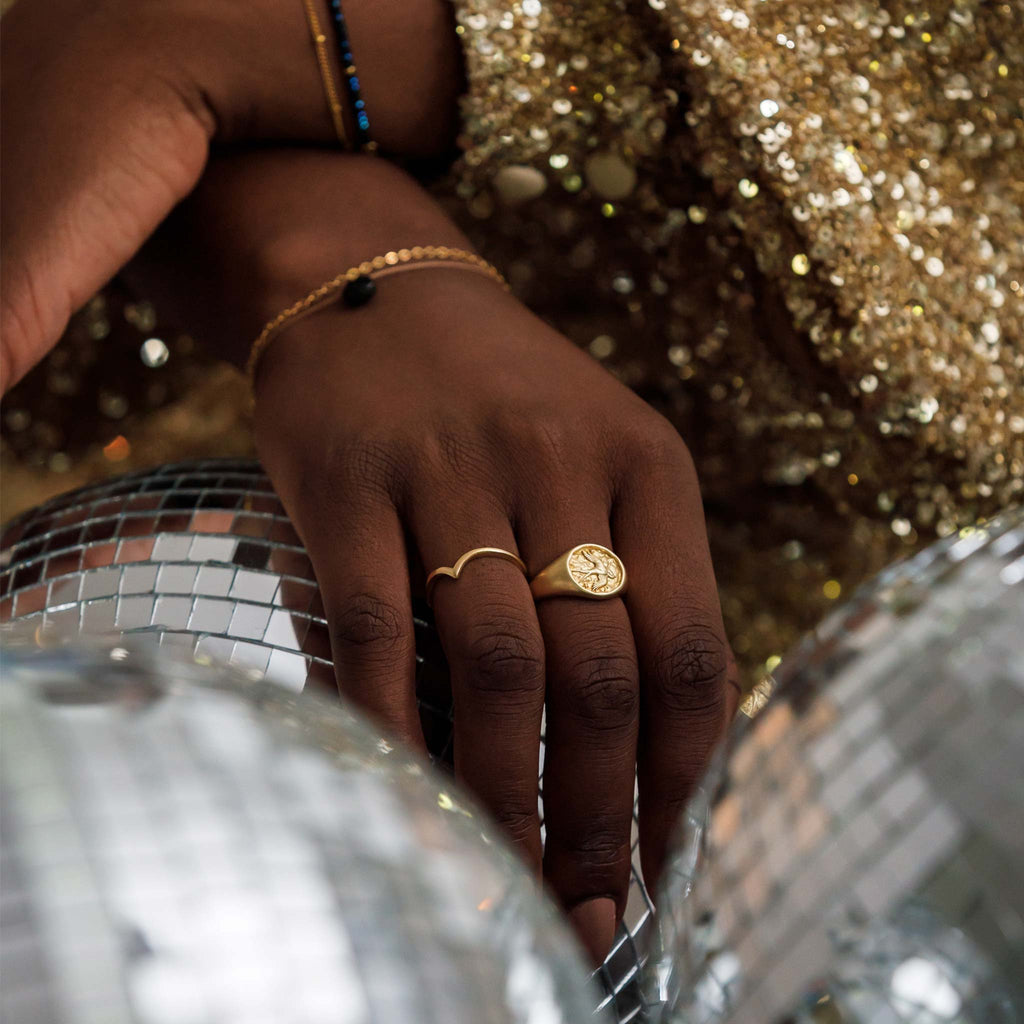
(855, 856)
(202, 555)
(182, 845)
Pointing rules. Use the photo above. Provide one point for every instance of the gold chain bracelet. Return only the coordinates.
(356, 287)
(326, 72)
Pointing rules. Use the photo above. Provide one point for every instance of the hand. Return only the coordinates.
(109, 108)
(449, 412)
(445, 416)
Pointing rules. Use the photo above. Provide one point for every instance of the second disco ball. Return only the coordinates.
(855, 855)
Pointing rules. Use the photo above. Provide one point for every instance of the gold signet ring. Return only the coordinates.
(587, 570)
(454, 570)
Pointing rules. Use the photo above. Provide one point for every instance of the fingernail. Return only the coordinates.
(594, 921)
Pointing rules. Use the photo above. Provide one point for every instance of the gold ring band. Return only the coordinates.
(587, 570)
(453, 570)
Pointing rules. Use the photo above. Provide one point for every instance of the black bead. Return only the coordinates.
(359, 292)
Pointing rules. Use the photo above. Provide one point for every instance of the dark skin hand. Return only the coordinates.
(446, 411)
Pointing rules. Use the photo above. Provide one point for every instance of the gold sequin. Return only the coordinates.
(849, 250)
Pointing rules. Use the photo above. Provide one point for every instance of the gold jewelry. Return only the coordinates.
(326, 72)
(419, 256)
(454, 570)
(587, 570)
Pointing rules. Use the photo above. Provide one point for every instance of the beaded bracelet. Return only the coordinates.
(357, 286)
(362, 121)
(326, 72)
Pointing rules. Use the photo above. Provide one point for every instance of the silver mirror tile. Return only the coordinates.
(203, 555)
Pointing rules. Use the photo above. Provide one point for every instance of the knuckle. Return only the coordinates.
(691, 666)
(362, 465)
(600, 850)
(503, 656)
(518, 823)
(543, 438)
(369, 624)
(604, 691)
(458, 452)
(663, 446)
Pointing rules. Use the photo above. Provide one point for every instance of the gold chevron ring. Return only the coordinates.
(587, 570)
(454, 570)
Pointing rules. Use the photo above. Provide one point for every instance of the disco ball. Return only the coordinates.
(182, 845)
(854, 857)
(202, 555)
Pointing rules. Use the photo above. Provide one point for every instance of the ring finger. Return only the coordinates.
(489, 631)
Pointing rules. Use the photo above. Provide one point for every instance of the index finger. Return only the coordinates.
(688, 684)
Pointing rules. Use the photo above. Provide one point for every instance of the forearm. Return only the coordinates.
(267, 86)
(262, 230)
(107, 129)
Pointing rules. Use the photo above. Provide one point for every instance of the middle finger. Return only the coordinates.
(592, 725)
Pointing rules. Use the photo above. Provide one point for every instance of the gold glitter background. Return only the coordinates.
(796, 228)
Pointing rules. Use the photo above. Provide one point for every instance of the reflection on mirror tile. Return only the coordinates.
(221, 500)
(252, 555)
(137, 526)
(64, 620)
(211, 549)
(134, 612)
(249, 621)
(212, 522)
(248, 525)
(210, 615)
(184, 640)
(142, 503)
(171, 547)
(27, 575)
(138, 579)
(60, 565)
(64, 590)
(289, 670)
(219, 648)
(100, 583)
(99, 616)
(172, 612)
(252, 656)
(101, 530)
(138, 550)
(28, 602)
(258, 587)
(176, 579)
(214, 581)
(180, 499)
(285, 630)
(97, 555)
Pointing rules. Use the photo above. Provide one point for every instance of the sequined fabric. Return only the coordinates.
(795, 228)
(805, 225)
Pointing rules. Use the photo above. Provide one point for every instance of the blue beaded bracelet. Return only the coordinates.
(348, 67)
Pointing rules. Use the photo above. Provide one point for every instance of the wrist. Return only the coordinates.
(255, 68)
(362, 210)
(263, 230)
